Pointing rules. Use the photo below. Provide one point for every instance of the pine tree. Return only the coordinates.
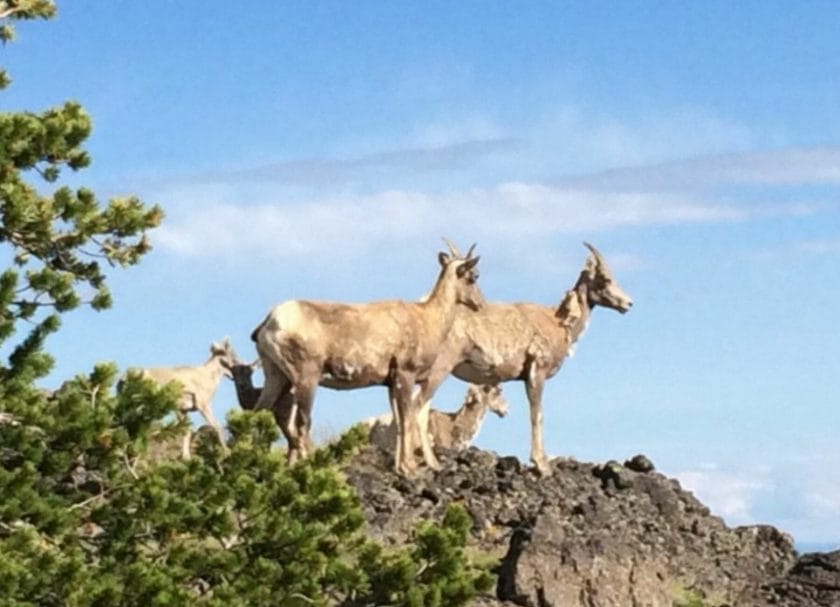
(90, 513)
(58, 241)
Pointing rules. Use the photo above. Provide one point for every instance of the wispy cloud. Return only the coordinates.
(818, 248)
(790, 166)
(449, 156)
(582, 139)
(508, 212)
(234, 218)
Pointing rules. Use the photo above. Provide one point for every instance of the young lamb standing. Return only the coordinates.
(199, 386)
(303, 344)
(526, 342)
(246, 393)
(449, 430)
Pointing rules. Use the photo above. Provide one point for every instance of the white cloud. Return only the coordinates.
(729, 495)
(509, 212)
(799, 495)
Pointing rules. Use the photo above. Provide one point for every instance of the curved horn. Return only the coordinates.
(470, 252)
(453, 250)
(595, 252)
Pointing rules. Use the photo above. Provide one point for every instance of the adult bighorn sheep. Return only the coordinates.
(523, 341)
(199, 386)
(449, 430)
(344, 346)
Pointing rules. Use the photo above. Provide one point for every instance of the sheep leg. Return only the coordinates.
(534, 385)
(301, 422)
(207, 413)
(275, 382)
(285, 413)
(400, 390)
(185, 441)
(397, 422)
(404, 462)
(276, 395)
(420, 411)
(303, 417)
(290, 430)
(441, 369)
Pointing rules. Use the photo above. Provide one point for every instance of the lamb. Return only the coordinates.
(199, 386)
(246, 393)
(448, 430)
(303, 344)
(525, 342)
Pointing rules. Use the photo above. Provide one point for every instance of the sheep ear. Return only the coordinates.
(468, 265)
(443, 259)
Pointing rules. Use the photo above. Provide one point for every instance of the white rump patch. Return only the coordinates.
(288, 314)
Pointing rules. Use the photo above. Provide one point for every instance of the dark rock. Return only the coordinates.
(430, 494)
(609, 535)
(814, 580)
(614, 476)
(508, 464)
(639, 463)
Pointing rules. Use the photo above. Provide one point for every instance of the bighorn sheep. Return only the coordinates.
(522, 341)
(344, 346)
(449, 430)
(247, 394)
(199, 385)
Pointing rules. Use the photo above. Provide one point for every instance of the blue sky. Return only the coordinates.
(321, 150)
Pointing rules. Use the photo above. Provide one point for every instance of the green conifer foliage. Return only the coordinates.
(94, 512)
(59, 241)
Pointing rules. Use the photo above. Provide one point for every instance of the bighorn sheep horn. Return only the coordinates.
(453, 250)
(595, 252)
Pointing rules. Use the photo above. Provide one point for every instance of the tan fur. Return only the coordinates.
(344, 346)
(199, 386)
(527, 342)
(449, 430)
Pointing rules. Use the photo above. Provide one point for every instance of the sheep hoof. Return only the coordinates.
(542, 466)
(406, 468)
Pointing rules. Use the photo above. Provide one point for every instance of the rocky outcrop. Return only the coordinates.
(611, 535)
(813, 580)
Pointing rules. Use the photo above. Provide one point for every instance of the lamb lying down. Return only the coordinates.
(449, 430)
